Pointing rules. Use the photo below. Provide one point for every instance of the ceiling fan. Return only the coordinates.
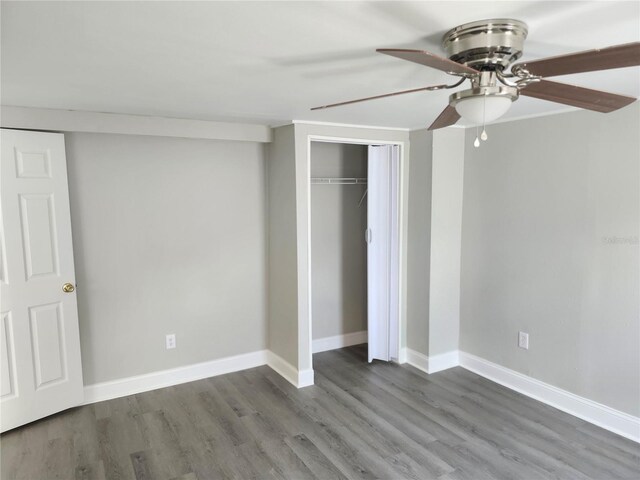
(482, 53)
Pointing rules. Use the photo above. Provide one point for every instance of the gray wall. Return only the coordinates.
(419, 241)
(447, 180)
(283, 252)
(550, 247)
(338, 249)
(169, 237)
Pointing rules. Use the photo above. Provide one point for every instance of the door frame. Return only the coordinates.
(305, 307)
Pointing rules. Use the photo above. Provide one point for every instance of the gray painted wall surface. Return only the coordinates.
(169, 237)
(419, 242)
(283, 253)
(550, 247)
(447, 174)
(338, 249)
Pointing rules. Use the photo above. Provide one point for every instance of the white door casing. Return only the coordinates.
(40, 365)
(394, 254)
(383, 252)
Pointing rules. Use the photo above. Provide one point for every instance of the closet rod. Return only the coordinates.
(338, 181)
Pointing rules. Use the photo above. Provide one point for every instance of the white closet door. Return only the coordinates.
(382, 267)
(40, 345)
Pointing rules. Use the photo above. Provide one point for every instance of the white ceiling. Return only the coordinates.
(269, 62)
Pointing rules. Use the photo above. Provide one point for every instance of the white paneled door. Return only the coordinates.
(40, 371)
(382, 252)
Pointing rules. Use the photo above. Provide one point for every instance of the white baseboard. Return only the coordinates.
(175, 376)
(305, 378)
(402, 355)
(297, 378)
(284, 368)
(443, 361)
(339, 341)
(593, 412)
(606, 417)
(418, 360)
(613, 420)
(99, 392)
(433, 364)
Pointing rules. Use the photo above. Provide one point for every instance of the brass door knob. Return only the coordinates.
(68, 288)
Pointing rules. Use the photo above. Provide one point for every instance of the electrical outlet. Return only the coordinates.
(170, 341)
(523, 340)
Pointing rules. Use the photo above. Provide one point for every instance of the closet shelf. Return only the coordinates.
(338, 181)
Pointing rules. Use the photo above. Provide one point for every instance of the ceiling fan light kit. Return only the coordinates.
(489, 47)
(486, 101)
(482, 106)
(483, 52)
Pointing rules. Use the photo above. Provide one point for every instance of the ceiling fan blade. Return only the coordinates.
(619, 56)
(449, 116)
(429, 59)
(596, 100)
(413, 90)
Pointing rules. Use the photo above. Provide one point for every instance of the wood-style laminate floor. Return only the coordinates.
(360, 421)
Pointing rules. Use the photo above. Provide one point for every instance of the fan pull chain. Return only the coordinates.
(476, 142)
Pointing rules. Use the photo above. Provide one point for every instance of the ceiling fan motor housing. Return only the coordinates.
(486, 44)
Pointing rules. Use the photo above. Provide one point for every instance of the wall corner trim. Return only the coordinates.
(444, 361)
(305, 378)
(433, 364)
(297, 378)
(593, 412)
(402, 355)
(418, 360)
(339, 341)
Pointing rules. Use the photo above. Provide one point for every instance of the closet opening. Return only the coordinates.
(354, 247)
